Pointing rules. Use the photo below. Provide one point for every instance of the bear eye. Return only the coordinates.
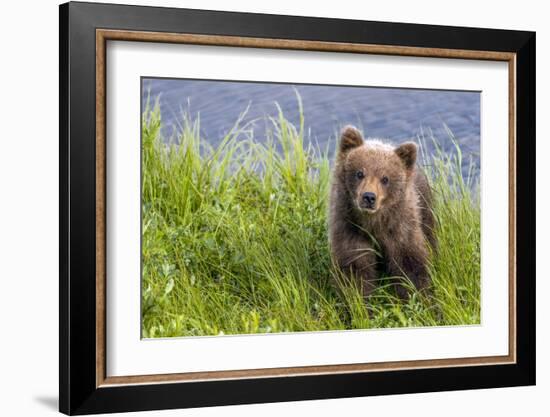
(385, 180)
(359, 175)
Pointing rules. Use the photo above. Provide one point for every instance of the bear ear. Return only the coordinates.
(350, 138)
(407, 153)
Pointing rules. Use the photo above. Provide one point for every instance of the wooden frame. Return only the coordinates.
(96, 24)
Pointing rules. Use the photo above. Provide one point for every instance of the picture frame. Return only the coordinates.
(85, 30)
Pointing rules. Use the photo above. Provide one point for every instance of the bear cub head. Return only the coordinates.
(375, 174)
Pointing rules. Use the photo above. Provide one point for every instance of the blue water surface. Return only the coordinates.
(395, 114)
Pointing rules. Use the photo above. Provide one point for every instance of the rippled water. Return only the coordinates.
(393, 114)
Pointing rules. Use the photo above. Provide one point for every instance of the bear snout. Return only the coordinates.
(369, 200)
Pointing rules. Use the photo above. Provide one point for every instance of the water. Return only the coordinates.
(394, 114)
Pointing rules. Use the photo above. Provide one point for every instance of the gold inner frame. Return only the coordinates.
(103, 35)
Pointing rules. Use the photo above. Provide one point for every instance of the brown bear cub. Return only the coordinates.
(381, 218)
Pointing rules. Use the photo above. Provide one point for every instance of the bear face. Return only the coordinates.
(375, 174)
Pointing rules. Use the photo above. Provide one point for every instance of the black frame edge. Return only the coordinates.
(526, 208)
(64, 395)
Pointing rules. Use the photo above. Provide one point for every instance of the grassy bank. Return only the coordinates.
(235, 240)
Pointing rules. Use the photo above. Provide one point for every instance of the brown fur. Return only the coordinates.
(393, 235)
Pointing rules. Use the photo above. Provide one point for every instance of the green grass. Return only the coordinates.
(235, 239)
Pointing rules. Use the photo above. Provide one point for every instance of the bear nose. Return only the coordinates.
(369, 198)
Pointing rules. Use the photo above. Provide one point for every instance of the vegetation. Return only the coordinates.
(235, 239)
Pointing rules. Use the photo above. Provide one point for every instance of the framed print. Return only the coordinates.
(260, 208)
